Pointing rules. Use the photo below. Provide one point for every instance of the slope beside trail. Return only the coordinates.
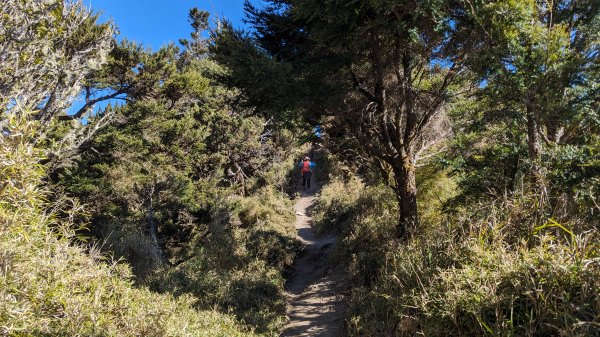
(315, 288)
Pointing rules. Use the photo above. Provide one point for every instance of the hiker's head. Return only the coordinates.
(306, 158)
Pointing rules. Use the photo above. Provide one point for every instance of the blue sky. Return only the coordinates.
(155, 23)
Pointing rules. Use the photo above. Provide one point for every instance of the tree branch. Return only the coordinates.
(90, 103)
(359, 88)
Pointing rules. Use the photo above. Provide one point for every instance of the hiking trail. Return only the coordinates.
(315, 288)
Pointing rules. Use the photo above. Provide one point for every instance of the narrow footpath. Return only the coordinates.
(315, 288)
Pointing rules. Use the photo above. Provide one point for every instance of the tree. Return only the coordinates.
(48, 48)
(152, 173)
(537, 59)
(195, 47)
(48, 51)
(130, 73)
(393, 65)
(267, 87)
(531, 124)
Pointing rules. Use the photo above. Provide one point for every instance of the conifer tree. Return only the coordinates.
(387, 67)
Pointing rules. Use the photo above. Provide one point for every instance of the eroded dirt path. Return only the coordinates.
(315, 287)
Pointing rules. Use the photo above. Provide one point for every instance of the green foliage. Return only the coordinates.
(267, 85)
(576, 168)
(436, 188)
(167, 159)
(478, 287)
(336, 204)
(185, 187)
(535, 111)
(488, 153)
(388, 68)
(507, 241)
(49, 286)
(239, 265)
(188, 192)
(539, 63)
(189, 181)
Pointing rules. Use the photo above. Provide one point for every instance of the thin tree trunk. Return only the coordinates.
(533, 144)
(153, 229)
(406, 192)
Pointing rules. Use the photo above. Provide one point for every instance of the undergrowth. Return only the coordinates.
(239, 266)
(50, 286)
(501, 269)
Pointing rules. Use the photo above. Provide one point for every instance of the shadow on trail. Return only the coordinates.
(315, 288)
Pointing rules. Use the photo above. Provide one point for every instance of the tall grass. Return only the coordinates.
(495, 269)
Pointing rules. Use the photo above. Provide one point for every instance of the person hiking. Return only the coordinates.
(306, 167)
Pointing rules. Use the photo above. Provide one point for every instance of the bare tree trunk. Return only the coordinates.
(152, 227)
(533, 143)
(406, 192)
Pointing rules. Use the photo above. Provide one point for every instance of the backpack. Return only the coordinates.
(305, 166)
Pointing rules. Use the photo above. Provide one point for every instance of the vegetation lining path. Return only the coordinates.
(315, 287)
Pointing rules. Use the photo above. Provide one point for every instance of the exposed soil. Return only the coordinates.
(315, 288)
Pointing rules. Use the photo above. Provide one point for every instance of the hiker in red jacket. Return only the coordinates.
(306, 167)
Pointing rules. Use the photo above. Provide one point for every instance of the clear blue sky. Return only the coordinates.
(155, 23)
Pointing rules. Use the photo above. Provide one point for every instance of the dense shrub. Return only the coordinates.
(190, 192)
(238, 267)
(49, 286)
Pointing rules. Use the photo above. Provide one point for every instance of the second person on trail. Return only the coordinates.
(307, 168)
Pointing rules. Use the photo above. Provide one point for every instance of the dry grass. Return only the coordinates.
(501, 269)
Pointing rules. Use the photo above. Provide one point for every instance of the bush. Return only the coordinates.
(50, 286)
(476, 284)
(337, 204)
(239, 266)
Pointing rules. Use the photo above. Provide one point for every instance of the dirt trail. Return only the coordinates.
(315, 288)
